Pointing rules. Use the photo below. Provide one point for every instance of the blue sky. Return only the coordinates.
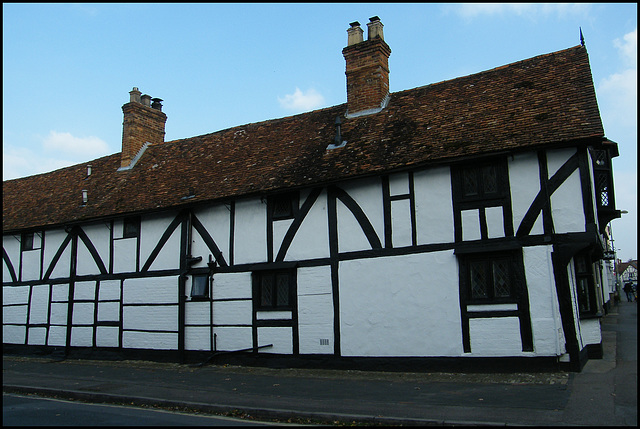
(68, 68)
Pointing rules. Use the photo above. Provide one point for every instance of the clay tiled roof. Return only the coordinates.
(545, 100)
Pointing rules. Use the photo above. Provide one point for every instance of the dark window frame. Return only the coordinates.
(489, 178)
(205, 293)
(284, 206)
(27, 241)
(268, 293)
(131, 227)
(494, 265)
(585, 284)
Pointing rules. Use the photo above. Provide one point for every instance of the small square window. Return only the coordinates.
(490, 277)
(27, 241)
(284, 206)
(479, 182)
(274, 290)
(200, 286)
(131, 227)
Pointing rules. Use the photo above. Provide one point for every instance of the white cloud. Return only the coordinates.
(618, 92)
(302, 101)
(76, 147)
(57, 150)
(528, 10)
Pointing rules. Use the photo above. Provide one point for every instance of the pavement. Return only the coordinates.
(603, 393)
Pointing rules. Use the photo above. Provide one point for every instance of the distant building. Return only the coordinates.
(461, 221)
(628, 271)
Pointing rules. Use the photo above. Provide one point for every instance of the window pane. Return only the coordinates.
(490, 179)
(283, 289)
(199, 287)
(266, 291)
(583, 295)
(27, 241)
(501, 279)
(478, 280)
(470, 182)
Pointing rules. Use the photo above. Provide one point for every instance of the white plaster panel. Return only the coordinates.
(556, 158)
(31, 265)
(197, 338)
(401, 223)
(315, 323)
(492, 307)
(231, 285)
(233, 337)
(280, 228)
(198, 313)
(108, 311)
(60, 292)
(37, 336)
(495, 222)
(12, 334)
(250, 231)
(11, 245)
(53, 241)
(150, 340)
(280, 337)
(312, 239)
(434, 206)
(58, 314)
(150, 290)
(107, 336)
(216, 219)
(399, 184)
(109, 290)
(124, 255)
(84, 291)
(83, 313)
(524, 181)
(471, 225)
(351, 237)
(152, 227)
(57, 336)
(566, 206)
(593, 203)
(543, 300)
(151, 318)
(82, 336)
(590, 331)
(100, 237)
(497, 336)
(367, 193)
(168, 257)
(15, 295)
(39, 311)
(420, 291)
(118, 228)
(314, 280)
(315, 310)
(273, 315)
(232, 312)
(310, 336)
(14, 314)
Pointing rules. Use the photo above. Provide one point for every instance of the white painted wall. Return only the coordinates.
(11, 245)
(100, 237)
(216, 219)
(250, 231)
(151, 230)
(315, 310)
(312, 238)
(400, 306)
(566, 201)
(524, 180)
(434, 207)
(368, 194)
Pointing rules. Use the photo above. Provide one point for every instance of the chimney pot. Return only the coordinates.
(134, 95)
(157, 104)
(375, 28)
(146, 100)
(354, 34)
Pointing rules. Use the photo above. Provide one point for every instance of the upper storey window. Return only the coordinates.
(283, 206)
(131, 227)
(481, 182)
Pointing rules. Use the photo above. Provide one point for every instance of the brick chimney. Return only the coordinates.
(367, 69)
(143, 123)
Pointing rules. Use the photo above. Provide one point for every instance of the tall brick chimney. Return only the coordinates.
(143, 123)
(367, 69)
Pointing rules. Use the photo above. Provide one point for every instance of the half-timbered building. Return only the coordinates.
(461, 221)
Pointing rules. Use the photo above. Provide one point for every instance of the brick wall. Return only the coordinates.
(141, 124)
(367, 73)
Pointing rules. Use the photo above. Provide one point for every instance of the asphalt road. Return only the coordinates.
(18, 410)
